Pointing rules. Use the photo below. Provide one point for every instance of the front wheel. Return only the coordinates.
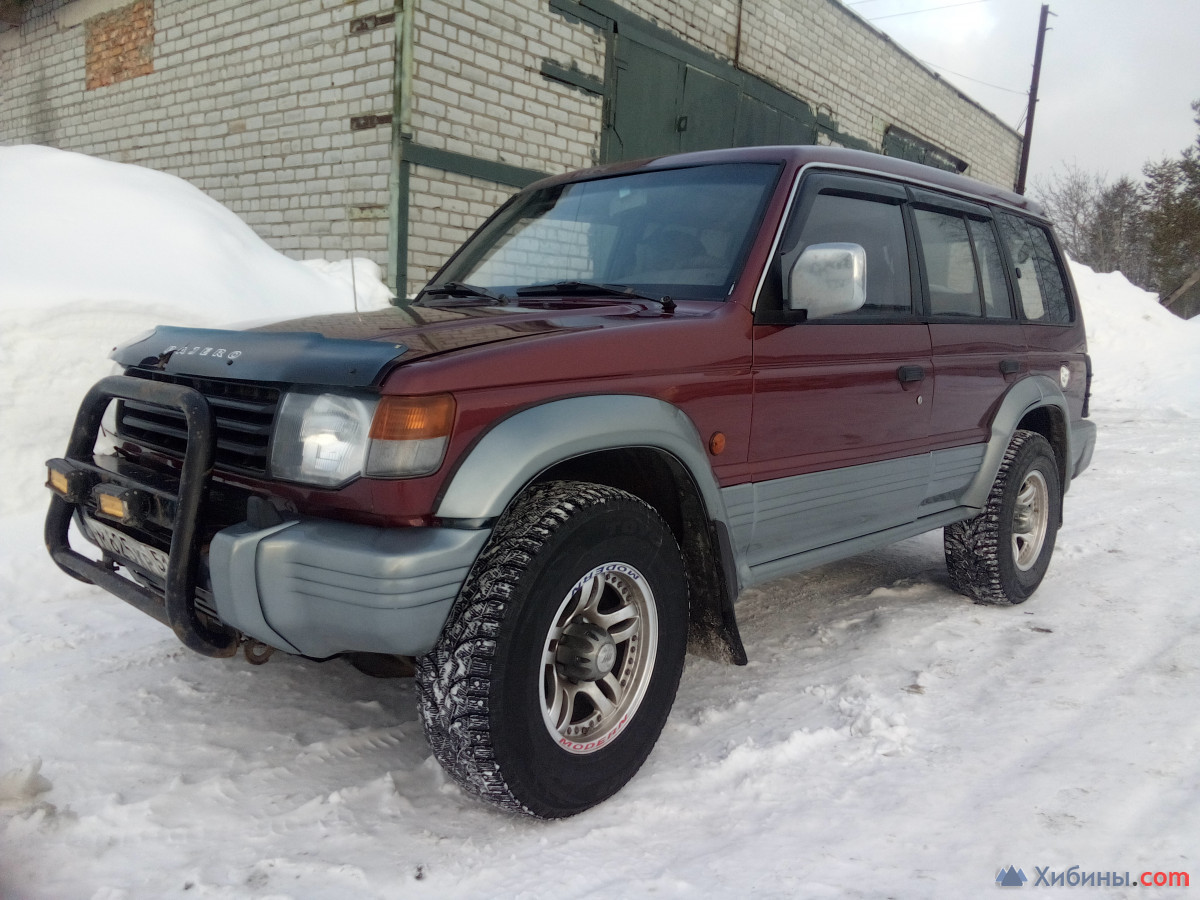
(559, 663)
(1001, 555)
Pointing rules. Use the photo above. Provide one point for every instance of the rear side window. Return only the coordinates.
(963, 268)
(991, 270)
(949, 264)
(878, 227)
(1041, 287)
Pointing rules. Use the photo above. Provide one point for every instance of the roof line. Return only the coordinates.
(837, 4)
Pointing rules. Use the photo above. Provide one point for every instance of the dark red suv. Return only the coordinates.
(634, 392)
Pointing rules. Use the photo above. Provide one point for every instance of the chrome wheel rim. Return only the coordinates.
(1031, 519)
(598, 658)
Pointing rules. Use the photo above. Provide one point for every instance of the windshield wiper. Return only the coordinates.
(567, 288)
(461, 289)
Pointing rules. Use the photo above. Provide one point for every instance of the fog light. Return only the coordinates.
(70, 483)
(58, 481)
(111, 505)
(125, 505)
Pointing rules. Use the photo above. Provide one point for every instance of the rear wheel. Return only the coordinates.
(1001, 555)
(559, 663)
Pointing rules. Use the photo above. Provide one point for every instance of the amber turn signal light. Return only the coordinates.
(413, 418)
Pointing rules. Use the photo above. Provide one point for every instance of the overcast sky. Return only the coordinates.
(1118, 76)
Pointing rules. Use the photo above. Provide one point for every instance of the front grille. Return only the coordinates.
(244, 416)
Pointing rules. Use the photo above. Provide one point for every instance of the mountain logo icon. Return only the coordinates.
(1011, 877)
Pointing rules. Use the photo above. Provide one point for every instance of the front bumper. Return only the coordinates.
(319, 588)
(310, 586)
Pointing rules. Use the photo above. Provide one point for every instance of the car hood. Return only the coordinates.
(358, 349)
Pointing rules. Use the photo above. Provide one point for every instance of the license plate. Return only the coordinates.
(121, 545)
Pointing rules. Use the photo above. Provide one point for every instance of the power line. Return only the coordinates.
(930, 9)
(969, 78)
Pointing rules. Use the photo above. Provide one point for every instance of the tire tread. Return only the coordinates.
(972, 546)
(454, 679)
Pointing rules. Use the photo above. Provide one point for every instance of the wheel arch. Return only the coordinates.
(1050, 422)
(660, 480)
(1034, 404)
(642, 445)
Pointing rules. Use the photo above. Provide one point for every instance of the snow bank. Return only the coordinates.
(888, 738)
(93, 253)
(1143, 356)
(75, 229)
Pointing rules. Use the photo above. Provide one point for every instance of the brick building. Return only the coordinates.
(390, 128)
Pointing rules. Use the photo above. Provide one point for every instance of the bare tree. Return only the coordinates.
(1069, 196)
(1101, 225)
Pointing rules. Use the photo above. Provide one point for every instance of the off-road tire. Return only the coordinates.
(483, 690)
(1001, 555)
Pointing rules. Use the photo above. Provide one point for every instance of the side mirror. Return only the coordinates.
(828, 279)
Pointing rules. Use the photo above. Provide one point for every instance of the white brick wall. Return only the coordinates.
(445, 208)
(820, 52)
(478, 88)
(249, 101)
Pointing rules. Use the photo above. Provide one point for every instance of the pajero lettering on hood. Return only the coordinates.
(358, 350)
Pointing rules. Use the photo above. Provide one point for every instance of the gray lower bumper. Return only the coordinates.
(319, 588)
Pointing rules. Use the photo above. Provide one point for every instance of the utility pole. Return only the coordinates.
(1033, 93)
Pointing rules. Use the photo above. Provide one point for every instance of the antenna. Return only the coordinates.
(348, 243)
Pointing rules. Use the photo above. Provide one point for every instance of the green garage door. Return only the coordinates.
(662, 103)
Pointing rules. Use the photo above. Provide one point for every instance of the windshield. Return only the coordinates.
(675, 232)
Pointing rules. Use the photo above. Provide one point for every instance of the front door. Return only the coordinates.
(840, 430)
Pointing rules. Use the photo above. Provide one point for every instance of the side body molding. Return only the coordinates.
(527, 443)
(1024, 397)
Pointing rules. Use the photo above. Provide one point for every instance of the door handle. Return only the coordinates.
(909, 374)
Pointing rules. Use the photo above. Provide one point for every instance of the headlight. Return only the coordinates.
(328, 439)
(321, 438)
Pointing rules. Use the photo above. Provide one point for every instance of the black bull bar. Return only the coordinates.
(174, 607)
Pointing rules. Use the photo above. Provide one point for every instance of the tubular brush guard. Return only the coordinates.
(175, 607)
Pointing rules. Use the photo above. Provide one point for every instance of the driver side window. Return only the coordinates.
(875, 225)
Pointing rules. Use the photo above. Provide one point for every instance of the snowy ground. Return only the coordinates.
(888, 739)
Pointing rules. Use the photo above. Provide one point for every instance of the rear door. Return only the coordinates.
(977, 343)
(1052, 327)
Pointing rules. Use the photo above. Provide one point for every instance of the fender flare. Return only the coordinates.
(1027, 395)
(520, 448)
(516, 450)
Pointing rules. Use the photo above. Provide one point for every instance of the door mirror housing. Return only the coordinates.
(828, 279)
